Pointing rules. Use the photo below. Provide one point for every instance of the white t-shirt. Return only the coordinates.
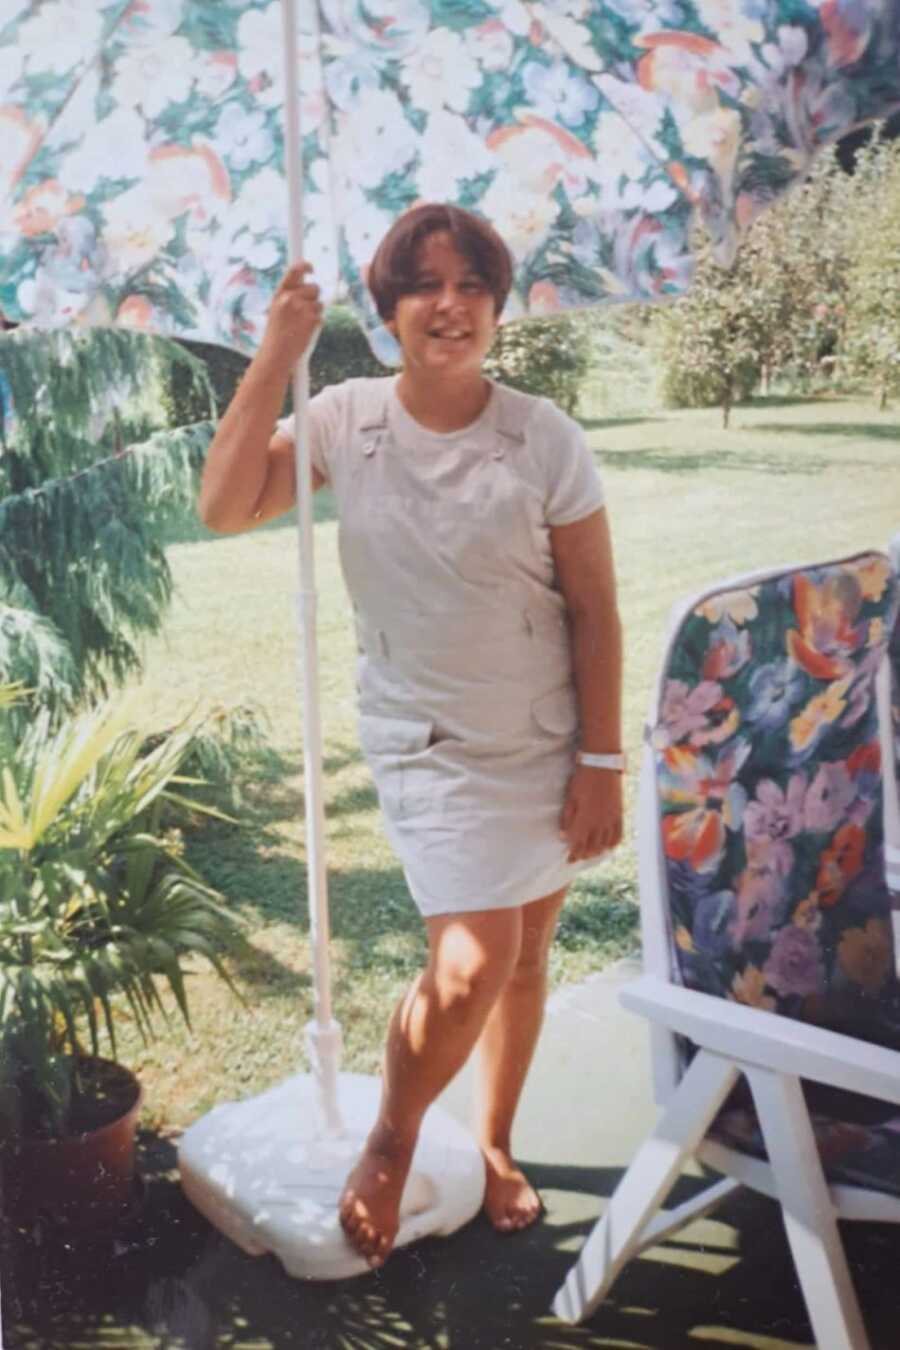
(554, 460)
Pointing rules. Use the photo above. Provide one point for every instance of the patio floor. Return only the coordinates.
(171, 1280)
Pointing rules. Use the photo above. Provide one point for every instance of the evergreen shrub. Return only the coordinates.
(342, 352)
(89, 472)
(548, 357)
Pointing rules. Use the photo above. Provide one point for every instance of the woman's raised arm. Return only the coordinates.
(249, 474)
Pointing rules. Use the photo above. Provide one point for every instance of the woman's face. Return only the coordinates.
(446, 323)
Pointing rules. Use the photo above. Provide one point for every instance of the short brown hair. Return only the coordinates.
(393, 269)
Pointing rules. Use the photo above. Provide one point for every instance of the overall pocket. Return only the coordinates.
(556, 713)
(396, 749)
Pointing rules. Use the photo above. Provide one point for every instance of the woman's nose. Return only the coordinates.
(449, 296)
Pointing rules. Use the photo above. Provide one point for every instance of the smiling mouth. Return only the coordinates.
(448, 335)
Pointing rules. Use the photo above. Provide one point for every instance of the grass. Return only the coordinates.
(689, 503)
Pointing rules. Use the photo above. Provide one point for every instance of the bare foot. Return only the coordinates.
(370, 1205)
(510, 1201)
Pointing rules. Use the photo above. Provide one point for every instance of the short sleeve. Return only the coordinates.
(325, 413)
(572, 486)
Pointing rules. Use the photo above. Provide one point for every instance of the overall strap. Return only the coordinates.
(514, 413)
(373, 419)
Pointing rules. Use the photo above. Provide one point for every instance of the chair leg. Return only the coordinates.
(808, 1211)
(649, 1178)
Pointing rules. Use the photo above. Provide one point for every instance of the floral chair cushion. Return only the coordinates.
(858, 1140)
(768, 766)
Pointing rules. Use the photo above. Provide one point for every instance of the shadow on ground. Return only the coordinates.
(875, 431)
(249, 860)
(670, 460)
(258, 869)
(786, 401)
(170, 1280)
(603, 423)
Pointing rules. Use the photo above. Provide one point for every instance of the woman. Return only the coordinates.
(475, 548)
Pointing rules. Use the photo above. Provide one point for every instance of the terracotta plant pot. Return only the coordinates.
(85, 1180)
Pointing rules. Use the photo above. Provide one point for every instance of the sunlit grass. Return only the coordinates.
(689, 503)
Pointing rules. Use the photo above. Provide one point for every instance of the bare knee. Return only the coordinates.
(530, 970)
(470, 980)
(539, 925)
(472, 958)
(467, 985)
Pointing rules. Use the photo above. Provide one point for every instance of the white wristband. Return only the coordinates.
(612, 761)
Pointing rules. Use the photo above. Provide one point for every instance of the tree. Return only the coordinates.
(871, 345)
(798, 257)
(711, 340)
(88, 470)
(778, 310)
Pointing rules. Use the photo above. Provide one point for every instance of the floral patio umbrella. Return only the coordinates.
(142, 141)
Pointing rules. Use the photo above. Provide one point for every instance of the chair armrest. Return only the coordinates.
(766, 1039)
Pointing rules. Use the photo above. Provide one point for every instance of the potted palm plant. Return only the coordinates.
(98, 913)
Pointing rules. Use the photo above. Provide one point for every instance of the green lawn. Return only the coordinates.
(689, 503)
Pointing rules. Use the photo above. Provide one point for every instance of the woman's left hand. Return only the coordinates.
(591, 821)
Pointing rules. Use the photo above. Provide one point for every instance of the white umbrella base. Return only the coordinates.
(262, 1174)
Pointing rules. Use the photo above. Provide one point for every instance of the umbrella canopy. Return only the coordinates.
(141, 142)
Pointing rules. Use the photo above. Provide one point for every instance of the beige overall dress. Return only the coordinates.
(468, 713)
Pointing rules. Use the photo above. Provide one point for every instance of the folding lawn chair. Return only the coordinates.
(769, 972)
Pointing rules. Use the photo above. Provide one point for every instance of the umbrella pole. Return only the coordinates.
(323, 1034)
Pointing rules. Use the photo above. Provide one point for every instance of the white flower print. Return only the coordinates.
(134, 232)
(12, 65)
(372, 144)
(574, 39)
(491, 44)
(364, 226)
(48, 37)
(214, 73)
(244, 137)
(442, 72)
(734, 24)
(147, 23)
(260, 205)
(555, 92)
(351, 75)
(523, 218)
(259, 53)
(515, 15)
(451, 153)
(106, 147)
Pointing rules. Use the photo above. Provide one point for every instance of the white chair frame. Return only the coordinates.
(774, 1053)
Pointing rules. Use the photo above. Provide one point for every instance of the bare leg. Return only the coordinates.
(506, 1050)
(431, 1035)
